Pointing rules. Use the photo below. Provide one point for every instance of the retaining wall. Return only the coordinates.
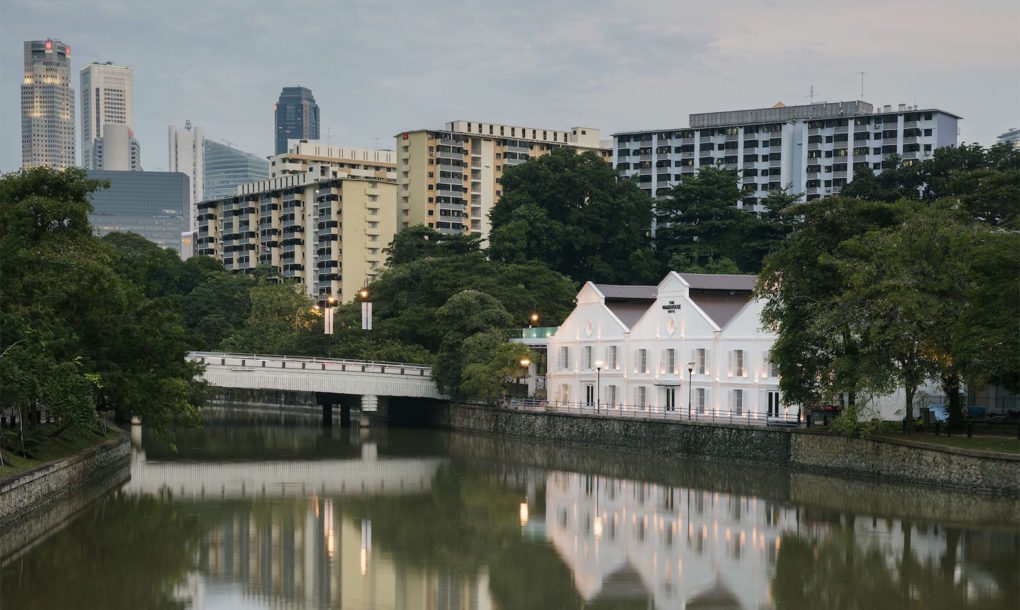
(801, 450)
(23, 494)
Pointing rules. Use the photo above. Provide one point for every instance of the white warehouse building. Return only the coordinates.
(629, 348)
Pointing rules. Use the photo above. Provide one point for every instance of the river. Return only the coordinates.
(286, 514)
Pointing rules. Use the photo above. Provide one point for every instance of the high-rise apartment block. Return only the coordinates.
(297, 117)
(321, 161)
(47, 106)
(449, 179)
(107, 98)
(326, 234)
(226, 168)
(812, 150)
(187, 155)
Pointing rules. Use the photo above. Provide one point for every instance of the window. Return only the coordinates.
(587, 357)
(737, 402)
(640, 394)
(565, 393)
(611, 358)
(564, 357)
(642, 361)
(773, 403)
(701, 361)
(611, 395)
(671, 362)
(700, 399)
(737, 363)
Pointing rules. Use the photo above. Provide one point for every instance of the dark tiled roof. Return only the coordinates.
(616, 291)
(719, 306)
(712, 281)
(629, 312)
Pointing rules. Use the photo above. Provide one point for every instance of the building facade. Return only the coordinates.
(1011, 137)
(116, 150)
(812, 150)
(187, 155)
(328, 235)
(107, 98)
(449, 179)
(47, 106)
(151, 204)
(630, 348)
(320, 161)
(225, 168)
(297, 117)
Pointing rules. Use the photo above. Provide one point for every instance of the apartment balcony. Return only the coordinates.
(839, 175)
(911, 139)
(645, 157)
(910, 155)
(911, 124)
(841, 129)
(776, 163)
(457, 180)
(444, 154)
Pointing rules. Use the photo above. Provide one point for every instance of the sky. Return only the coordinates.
(379, 68)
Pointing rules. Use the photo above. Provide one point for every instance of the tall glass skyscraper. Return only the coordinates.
(151, 204)
(297, 117)
(47, 106)
(226, 167)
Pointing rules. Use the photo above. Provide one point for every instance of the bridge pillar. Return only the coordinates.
(327, 414)
(369, 404)
(345, 415)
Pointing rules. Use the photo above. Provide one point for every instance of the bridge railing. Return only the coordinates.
(648, 412)
(275, 361)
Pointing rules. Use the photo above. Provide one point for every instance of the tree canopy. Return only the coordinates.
(573, 213)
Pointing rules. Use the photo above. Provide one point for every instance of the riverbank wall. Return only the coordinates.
(36, 501)
(802, 450)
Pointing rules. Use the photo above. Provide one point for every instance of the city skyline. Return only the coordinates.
(616, 66)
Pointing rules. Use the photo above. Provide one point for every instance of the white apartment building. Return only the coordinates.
(635, 342)
(321, 160)
(187, 155)
(812, 150)
(116, 150)
(327, 235)
(1011, 137)
(449, 179)
(107, 97)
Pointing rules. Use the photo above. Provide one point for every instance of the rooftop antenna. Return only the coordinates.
(861, 98)
(811, 95)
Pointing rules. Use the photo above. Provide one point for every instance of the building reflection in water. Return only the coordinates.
(675, 547)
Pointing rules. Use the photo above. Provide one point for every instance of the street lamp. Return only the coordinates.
(366, 315)
(690, 390)
(330, 301)
(598, 386)
(533, 318)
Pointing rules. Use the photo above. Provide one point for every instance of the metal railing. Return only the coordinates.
(262, 361)
(647, 412)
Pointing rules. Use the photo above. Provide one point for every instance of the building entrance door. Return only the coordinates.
(671, 399)
(589, 395)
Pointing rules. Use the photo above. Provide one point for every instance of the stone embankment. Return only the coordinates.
(24, 495)
(800, 450)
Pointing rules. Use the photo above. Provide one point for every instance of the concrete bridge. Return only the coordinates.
(334, 382)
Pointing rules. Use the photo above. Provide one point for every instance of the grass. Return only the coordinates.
(50, 450)
(999, 444)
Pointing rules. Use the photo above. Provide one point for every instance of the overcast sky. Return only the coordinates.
(377, 68)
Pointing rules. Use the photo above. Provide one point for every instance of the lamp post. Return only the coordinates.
(598, 386)
(690, 389)
(533, 318)
(330, 301)
(366, 315)
(525, 363)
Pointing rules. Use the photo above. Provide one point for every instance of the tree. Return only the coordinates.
(817, 355)
(701, 229)
(466, 314)
(419, 242)
(79, 327)
(277, 314)
(491, 364)
(573, 213)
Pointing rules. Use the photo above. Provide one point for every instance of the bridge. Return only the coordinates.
(329, 379)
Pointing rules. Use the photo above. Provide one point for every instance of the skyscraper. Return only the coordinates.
(47, 106)
(297, 117)
(107, 97)
(226, 167)
(187, 155)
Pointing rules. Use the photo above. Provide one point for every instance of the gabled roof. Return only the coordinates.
(628, 303)
(712, 281)
(617, 291)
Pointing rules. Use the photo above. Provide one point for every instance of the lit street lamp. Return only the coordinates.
(690, 391)
(598, 386)
(328, 321)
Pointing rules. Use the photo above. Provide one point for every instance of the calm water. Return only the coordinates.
(292, 516)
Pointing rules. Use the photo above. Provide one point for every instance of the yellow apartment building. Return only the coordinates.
(449, 179)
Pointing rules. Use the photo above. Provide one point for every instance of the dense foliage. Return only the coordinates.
(909, 276)
(82, 328)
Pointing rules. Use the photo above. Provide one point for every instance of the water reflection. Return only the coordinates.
(260, 516)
